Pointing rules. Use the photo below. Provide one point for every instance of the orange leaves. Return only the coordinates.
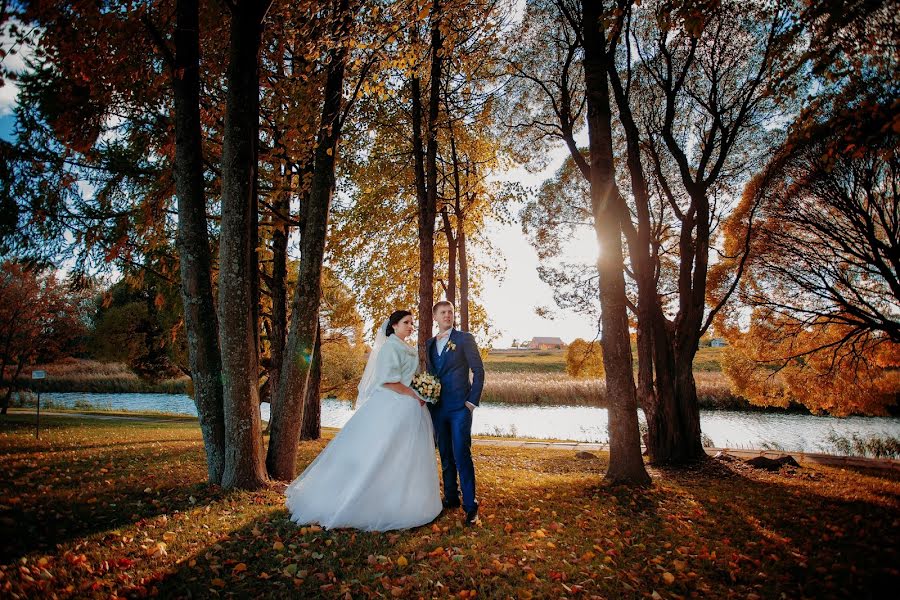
(157, 550)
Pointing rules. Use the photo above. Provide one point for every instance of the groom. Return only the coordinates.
(450, 356)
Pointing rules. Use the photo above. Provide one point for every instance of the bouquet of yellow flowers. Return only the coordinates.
(428, 386)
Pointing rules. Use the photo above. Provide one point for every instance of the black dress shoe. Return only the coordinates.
(472, 516)
(450, 504)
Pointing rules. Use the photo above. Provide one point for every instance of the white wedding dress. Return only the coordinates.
(379, 472)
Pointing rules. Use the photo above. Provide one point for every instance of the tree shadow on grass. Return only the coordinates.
(52, 501)
(797, 532)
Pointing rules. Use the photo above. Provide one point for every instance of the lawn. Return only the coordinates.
(120, 509)
(526, 361)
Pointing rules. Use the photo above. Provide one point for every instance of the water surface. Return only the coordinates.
(733, 429)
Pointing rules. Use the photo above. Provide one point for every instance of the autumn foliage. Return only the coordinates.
(584, 359)
(41, 319)
(821, 226)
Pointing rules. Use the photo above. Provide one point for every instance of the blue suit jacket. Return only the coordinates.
(454, 372)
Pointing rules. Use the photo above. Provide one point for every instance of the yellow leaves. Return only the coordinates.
(278, 546)
(584, 359)
(402, 562)
(539, 534)
(169, 536)
(239, 568)
(668, 578)
(157, 550)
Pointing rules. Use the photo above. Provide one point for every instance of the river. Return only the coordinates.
(732, 429)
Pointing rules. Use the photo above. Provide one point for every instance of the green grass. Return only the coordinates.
(526, 361)
(100, 509)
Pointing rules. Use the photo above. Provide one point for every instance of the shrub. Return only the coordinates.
(584, 359)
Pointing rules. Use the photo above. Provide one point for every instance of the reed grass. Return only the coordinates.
(91, 376)
(713, 390)
(554, 361)
(872, 445)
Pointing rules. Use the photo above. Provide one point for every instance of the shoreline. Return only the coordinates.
(492, 440)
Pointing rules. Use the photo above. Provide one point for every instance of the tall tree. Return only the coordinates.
(425, 150)
(193, 242)
(41, 320)
(287, 405)
(237, 256)
(691, 125)
(706, 133)
(823, 273)
(626, 464)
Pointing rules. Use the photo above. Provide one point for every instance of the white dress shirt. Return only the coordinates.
(442, 341)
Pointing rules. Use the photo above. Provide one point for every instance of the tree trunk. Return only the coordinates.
(13, 385)
(662, 419)
(4, 404)
(626, 464)
(463, 273)
(425, 222)
(278, 283)
(240, 371)
(193, 243)
(311, 428)
(691, 448)
(426, 179)
(451, 257)
(287, 403)
(452, 242)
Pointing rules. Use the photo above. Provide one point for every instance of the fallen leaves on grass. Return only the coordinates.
(84, 517)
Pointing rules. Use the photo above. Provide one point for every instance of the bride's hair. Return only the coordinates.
(395, 318)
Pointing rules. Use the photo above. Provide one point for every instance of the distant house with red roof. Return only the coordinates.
(546, 343)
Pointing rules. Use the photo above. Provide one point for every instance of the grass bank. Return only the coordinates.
(120, 509)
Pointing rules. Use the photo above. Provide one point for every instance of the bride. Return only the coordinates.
(379, 472)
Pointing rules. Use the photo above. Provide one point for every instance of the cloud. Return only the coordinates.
(8, 95)
(15, 63)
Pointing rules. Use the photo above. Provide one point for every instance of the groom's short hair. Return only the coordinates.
(442, 303)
